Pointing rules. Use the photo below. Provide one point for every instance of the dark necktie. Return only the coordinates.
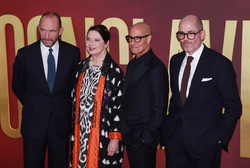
(185, 78)
(51, 70)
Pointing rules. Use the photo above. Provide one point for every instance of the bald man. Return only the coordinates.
(196, 129)
(145, 97)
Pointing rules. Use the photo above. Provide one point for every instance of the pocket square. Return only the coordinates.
(206, 79)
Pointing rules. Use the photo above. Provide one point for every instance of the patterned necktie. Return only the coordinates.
(51, 70)
(185, 78)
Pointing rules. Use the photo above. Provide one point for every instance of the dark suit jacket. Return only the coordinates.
(145, 98)
(213, 87)
(31, 88)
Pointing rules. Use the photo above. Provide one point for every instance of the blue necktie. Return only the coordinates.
(51, 70)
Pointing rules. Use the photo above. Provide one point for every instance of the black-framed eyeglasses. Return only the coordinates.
(190, 36)
(137, 39)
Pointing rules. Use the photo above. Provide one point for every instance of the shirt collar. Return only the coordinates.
(54, 47)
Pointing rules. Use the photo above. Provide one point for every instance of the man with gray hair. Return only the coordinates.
(202, 83)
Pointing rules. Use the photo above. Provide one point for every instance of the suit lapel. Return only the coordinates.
(134, 76)
(38, 66)
(126, 78)
(140, 69)
(136, 70)
(61, 64)
(199, 74)
(175, 70)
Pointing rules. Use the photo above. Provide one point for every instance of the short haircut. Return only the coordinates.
(52, 14)
(103, 31)
(199, 23)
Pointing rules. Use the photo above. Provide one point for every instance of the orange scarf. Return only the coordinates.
(93, 147)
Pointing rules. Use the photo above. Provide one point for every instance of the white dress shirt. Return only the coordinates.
(45, 54)
(196, 56)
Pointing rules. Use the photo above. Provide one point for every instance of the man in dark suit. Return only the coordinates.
(196, 129)
(145, 99)
(42, 81)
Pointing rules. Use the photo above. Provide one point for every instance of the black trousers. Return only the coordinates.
(141, 155)
(178, 156)
(34, 150)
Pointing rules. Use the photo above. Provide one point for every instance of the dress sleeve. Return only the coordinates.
(117, 79)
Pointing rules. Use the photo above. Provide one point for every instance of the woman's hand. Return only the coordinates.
(113, 147)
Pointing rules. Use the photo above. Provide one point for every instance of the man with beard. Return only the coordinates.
(202, 83)
(42, 81)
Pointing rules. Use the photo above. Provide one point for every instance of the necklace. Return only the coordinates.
(95, 67)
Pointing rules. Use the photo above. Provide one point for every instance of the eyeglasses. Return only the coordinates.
(137, 39)
(190, 36)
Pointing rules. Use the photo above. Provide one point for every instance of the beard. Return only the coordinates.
(48, 42)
